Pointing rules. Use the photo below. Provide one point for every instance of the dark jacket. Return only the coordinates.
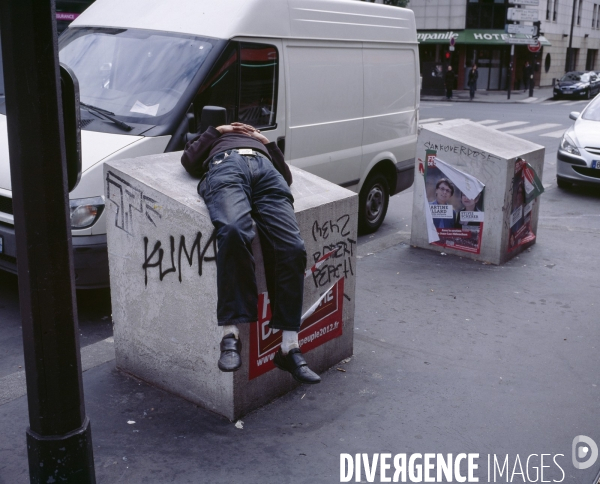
(449, 79)
(473, 76)
(199, 151)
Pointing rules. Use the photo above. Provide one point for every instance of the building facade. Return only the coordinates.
(478, 30)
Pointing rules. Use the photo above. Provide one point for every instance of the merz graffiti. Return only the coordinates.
(156, 257)
(128, 200)
(337, 251)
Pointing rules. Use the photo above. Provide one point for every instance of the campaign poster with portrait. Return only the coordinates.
(526, 187)
(455, 206)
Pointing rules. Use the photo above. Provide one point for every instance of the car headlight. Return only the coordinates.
(568, 145)
(85, 211)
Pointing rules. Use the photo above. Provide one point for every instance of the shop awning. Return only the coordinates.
(471, 37)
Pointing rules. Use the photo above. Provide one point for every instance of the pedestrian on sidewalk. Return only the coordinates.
(243, 178)
(472, 81)
(449, 82)
(527, 76)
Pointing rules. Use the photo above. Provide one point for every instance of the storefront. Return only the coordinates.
(488, 49)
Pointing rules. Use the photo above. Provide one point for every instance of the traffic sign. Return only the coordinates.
(522, 14)
(521, 41)
(532, 3)
(536, 47)
(521, 29)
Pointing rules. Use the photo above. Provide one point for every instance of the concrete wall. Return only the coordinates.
(489, 156)
(164, 307)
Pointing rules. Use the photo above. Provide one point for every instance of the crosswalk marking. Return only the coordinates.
(554, 134)
(522, 130)
(509, 124)
(430, 120)
(573, 103)
(531, 129)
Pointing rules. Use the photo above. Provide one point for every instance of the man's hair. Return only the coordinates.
(447, 182)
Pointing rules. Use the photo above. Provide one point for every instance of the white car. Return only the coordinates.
(578, 157)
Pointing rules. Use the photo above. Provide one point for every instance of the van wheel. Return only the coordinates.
(373, 203)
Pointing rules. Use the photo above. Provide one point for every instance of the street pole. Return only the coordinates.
(570, 66)
(59, 440)
(510, 68)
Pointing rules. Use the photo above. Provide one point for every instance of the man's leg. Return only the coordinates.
(285, 262)
(226, 192)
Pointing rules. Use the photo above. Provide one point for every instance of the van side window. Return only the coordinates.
(258, 87)
(221, 85)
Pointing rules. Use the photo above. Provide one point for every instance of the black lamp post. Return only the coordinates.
(59, 441)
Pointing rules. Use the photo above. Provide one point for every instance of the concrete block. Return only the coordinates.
(162, 252)
(491, 157)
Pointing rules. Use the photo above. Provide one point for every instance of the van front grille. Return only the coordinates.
(6, 205)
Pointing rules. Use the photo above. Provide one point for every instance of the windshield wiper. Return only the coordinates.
(107, 115)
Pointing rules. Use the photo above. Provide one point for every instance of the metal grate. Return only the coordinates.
(594, 150)
(6, 205)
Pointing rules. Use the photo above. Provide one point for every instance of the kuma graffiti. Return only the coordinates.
(155, 258)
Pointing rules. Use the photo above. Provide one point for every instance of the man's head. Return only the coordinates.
(474, 67)
(449, 68)
(444, 189)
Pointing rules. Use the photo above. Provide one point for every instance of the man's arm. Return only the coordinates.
(197, 150)
(276, 155)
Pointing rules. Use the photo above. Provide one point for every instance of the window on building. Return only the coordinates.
(486, 14)
(572, 61)
(548, 9)
(555, 11)
(579, 12)
(591, 59)
(594, 15)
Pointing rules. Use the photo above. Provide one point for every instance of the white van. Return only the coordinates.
(334, 82)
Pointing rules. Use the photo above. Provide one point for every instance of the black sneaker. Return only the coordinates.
(231, 348)
(295, 363)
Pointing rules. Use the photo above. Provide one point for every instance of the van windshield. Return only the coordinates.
(136, 76)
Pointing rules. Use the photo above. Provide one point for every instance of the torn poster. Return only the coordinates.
(454, 206)
(526, 187)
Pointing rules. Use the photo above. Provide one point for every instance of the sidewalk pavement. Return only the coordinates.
(481, 96)
(451, 355)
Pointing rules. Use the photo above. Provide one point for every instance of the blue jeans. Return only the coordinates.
(238, 189)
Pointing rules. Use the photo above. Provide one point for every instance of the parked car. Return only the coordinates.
(581, 85)
(578, 156)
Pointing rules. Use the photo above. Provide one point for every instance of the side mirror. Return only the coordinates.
(212, 116)
(71, 120)
(574, 115)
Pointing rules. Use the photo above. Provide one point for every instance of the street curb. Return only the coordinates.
(482, 101)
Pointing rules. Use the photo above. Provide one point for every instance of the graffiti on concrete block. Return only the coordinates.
(334, 257)
(129, 200)
(156, 257)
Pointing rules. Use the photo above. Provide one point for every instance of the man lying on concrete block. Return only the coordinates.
(245, 177)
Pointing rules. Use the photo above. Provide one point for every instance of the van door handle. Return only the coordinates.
(281, 143)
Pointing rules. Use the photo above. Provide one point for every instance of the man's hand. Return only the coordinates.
(243, 129)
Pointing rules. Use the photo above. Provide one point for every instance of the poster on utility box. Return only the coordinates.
(454, 206)
(526, 187)
(320, 324)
